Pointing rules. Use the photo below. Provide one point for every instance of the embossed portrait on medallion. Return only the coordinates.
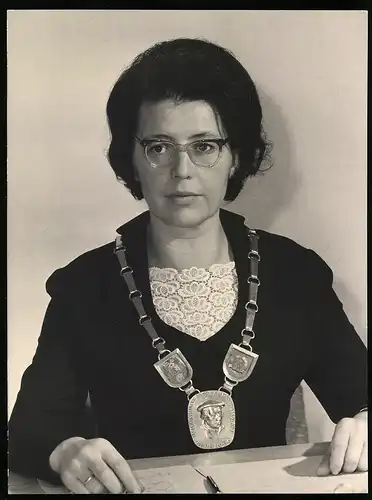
(211, 414)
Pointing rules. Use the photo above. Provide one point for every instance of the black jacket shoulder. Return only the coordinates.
(82, 271)
(289, 257)
(93, 266)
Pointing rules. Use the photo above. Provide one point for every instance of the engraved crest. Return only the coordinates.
(174, 369)
(211, 417)
(239, 363)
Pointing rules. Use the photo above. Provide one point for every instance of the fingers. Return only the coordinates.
(122, 470)
(86, 463)
(354, 450)
(363, 462)
(348, 449)
(105, 475)
(339, 445)
(75, 477)
(98, 458)
(324, 468)
(73, 484)
(93, 485)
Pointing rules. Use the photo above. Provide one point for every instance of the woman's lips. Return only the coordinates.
(182, 194)
(183, 198)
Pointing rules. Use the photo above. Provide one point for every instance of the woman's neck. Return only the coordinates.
(182, 248)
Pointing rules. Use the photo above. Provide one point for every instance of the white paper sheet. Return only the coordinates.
(177, 479)
(294, 475)
(51, 489)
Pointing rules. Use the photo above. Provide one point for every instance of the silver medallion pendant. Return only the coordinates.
(211, 417)
(174, 368)
(239, 363)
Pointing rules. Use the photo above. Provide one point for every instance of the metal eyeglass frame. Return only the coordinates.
(182, 148)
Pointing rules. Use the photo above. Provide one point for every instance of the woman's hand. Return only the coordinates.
(78, 459)
(348, 450)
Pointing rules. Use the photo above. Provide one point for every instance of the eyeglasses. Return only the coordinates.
(203, 152)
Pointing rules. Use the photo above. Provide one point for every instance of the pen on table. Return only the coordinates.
(212, 483)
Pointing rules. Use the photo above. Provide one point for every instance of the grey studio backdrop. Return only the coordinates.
(63, 199)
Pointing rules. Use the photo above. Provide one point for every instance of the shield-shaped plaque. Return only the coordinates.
(239, 363)
(174, 369)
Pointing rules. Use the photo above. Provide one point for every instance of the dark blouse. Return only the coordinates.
(91, 342)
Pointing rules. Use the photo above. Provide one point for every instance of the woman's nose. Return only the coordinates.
(183, 166)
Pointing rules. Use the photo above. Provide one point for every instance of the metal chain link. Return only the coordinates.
(251, 306)
(135, 296)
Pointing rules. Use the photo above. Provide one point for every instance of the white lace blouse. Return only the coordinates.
(196, 301)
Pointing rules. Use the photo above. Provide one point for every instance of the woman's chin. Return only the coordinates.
(185, 217)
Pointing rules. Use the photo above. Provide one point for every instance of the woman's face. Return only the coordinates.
(204, 188)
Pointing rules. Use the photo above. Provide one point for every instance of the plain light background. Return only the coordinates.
(63, 199)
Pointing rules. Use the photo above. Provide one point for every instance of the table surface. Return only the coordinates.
(21, 485)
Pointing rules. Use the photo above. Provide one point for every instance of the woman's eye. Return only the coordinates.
(205, 147)
(158, 148)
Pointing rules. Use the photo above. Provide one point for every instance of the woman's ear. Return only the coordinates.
(235, 164)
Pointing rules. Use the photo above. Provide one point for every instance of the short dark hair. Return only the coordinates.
(187, 69)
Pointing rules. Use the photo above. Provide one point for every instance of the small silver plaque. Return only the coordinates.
(174, 369)
(239, 363)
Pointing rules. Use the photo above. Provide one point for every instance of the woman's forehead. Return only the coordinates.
(178, 120)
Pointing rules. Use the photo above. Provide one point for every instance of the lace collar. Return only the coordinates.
(196, 301)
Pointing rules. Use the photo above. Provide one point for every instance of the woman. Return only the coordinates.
(179, 291)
